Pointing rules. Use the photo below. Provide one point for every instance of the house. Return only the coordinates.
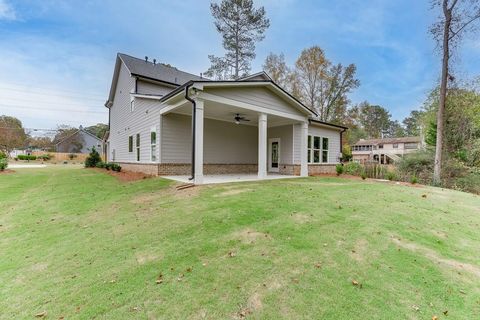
(80, 141)
(384, 151)
(163, 121)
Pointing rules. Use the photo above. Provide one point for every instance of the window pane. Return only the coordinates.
(325, 143)
(316, 156)
(138, 154)
(154, 153)
(138, 139)
(130, 144)
(309, 144)
(153, 137)
(316, 142)
(324, 156)
(309, 159)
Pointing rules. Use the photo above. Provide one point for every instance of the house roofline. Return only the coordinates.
(242, 82)
(328, 124)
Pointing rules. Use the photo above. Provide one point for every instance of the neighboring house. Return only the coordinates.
(251, 125)
(384, 151)
(81, 141)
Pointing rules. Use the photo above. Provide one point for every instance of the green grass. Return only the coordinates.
(79, 244)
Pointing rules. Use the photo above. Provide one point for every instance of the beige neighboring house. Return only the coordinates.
(164, 121)
(384, 151)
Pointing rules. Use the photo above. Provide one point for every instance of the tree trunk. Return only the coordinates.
(437, 170)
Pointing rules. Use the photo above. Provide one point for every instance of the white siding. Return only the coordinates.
(333, 136)
(124, 123)
(285, 133)
(261, 97)
(224, 142)
(144, 87)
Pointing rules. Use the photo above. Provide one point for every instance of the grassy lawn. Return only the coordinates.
(79, 244)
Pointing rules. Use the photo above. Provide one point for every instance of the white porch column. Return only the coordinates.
(199, 105)
(262, 146)
(303, 151)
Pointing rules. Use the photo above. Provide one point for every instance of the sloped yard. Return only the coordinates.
(79, 244)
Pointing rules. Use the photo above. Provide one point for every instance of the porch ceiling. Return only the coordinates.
(222, 112)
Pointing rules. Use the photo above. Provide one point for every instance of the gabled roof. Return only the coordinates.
(158, 71)
(388, 140)
(76, 132)
(262, 75)
(208, 83)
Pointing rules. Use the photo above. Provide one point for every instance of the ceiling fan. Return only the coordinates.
(238, 118)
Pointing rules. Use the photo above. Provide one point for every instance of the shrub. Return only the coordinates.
(375, 170)
(45, 157)
(363, 175)
(352, 168)
(92, 159)
(72, 156)
(26, 157)
(418, 164)
(339, 169)
(101, 165)
(390, 175)
(115, 167)
(3, 155)
(3, 164)
(413, 179)
(469, 183)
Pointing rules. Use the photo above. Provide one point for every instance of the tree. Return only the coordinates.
(394, 130)
(458, 16)
(98, 130)
(12, 134)
(338, 82)
(241, 25)
(413, 123)
(374, 119)
(44, 143)
(310, 68)
(276, 67)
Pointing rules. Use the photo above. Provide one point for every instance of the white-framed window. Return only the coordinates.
(138, 146)
(317, 149)
(324, 150)
(395, 146)
(130, 144)
(132, 105)
(153, 144)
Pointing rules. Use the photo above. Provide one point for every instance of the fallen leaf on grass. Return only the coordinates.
(416, 308)
(356, 283)
(424, 195)
(159, 279)
(41, 314)
(318, 265)
(231, 254)
(445, 312)
(434, 318)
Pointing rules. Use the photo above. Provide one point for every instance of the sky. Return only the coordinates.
(57, 57)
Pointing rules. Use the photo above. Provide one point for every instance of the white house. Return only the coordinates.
(164, 121)
(386, 150)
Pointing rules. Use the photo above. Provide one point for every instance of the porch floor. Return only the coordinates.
(228, 178)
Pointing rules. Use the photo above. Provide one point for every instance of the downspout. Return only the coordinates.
(341, 142)
(194, 111)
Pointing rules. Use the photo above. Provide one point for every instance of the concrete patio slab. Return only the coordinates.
(228, 178)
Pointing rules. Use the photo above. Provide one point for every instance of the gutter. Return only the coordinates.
(341, 141)
(194, 111)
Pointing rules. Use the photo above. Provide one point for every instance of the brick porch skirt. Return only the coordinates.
(182, 169)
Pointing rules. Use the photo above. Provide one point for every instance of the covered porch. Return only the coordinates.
(233, 135)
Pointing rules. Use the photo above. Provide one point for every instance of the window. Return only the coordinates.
(317, 149)
(138, 146)
(411, 145)
(130, 144)
(395, 146)
(380, 146)
(153, 145)
(324, 150)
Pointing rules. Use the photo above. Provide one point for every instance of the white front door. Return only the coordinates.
(274, 155)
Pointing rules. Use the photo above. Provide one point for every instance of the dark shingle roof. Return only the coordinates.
(157, 71)
(387, 140)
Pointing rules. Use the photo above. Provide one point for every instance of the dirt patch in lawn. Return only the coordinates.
(7, 171)
(436, 258)
(124, 176)
(301, 218)
(232, 192)
(145, 257)
(359, 250)
(250, 236)
(254, 302)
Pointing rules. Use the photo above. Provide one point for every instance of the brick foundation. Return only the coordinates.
(183, 169)
(146, 168)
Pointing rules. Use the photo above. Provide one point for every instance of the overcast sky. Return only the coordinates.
(57, 57)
